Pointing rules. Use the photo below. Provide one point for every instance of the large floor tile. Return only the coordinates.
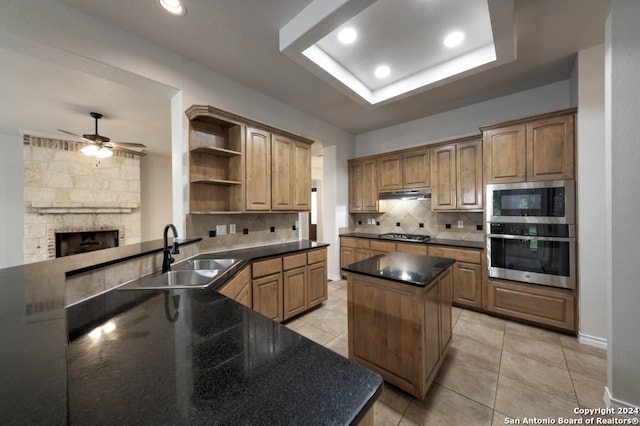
(339, 346)
(395, 398)
(475, 353)
(384, 415)
(590, 392)
(550, 353)
(531, 332)
(517, 399)
(333, 322)
(570, 342)
(586, 364)
(545, 377)
(314, 333)
(468, 380)
(485, 332)
(442, 406)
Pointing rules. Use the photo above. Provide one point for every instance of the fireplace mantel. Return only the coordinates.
(81, 208)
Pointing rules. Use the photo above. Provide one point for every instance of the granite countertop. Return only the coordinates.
(432, 241)
(413, 269)
(197, 357)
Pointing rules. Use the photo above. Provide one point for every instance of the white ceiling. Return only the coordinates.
(240, 39)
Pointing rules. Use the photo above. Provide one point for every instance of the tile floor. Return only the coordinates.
(495, 370)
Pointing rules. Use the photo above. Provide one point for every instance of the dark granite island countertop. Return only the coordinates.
(197, 357)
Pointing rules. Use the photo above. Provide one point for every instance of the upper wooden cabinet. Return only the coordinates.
(456, 176)
(258, 170)
(215, 163)
(290, 174)
(533, 149)
(363, 188)
(389, 169)
(416, 168)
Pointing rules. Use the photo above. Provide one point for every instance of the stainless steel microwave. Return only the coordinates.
(531, 202)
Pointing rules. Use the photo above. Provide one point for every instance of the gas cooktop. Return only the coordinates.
(405, 237)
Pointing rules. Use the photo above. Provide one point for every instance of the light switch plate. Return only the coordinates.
(460, 224)
(221, 229)
(232, 228)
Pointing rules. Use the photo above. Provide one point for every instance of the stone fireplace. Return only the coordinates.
(67, 192)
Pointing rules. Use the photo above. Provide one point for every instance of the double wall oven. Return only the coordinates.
(531, 232)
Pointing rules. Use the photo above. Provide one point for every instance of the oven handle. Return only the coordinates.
(531, 238)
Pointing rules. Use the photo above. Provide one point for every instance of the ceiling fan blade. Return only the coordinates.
(130, 151)
(127, 144)
(78, 136)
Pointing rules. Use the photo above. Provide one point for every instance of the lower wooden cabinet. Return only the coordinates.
(294, 284)
(550, 306)
(267, 288)
(467, 274)
(239, 288)
(317, 277)
(411, 248)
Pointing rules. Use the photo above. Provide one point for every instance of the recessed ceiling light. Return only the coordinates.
(382, 71)
(453, 39)
(347, 35)
(175, 7)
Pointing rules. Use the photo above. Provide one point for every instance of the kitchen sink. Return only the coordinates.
(199, 272)
(206, 264)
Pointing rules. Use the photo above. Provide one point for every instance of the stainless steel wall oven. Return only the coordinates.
(531, 232)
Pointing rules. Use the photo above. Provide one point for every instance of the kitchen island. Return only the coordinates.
(399, 311)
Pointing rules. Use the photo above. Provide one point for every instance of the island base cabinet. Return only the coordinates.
(400, 331)
(239, 288)
(542, 305)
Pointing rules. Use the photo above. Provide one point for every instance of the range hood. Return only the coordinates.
(406, 194)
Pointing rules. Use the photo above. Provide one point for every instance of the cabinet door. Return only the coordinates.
(281, 172)
(444, 308)
(550, 148)
(416, 169)
(469, 175)
(301, 191)
(355, 186)
(239, 288)
(413, 248)
(505, 152)
(294, 286)
(389, 172)
(267, 296)
(443, 178)
(361, 254)
(369, 186)
(258, 170)
(317, 279)
(347, 256)
(467, 288)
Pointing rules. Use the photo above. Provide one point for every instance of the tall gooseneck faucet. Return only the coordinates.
(167, 259)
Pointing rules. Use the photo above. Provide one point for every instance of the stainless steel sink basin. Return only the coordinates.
(193, 273)
(205, 264)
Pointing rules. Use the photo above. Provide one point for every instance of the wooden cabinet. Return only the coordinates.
(389, 169)
(378, 247)
(456, 176)
(363, 187)
(294, 284)
(353, 250)
(400, 331)
(532, 149)
(317, 277)
(258, 170)
(215, 163)
(412, 248)
(549, 306)
(267, 288)
(416, 168)
(467, 274)
(290, 174)
(239, 288)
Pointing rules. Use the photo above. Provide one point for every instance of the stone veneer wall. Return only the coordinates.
(411, 213)
(66, 191)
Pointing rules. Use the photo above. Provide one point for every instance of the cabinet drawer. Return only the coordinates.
(461, 255)
(412, 248)
(294, 261)
(354, 242)
(382, 245)
(267, 267)
(316, 256)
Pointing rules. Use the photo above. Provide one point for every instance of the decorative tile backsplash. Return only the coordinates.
(405, 216)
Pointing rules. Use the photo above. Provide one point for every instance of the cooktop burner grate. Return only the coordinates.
(405, 237)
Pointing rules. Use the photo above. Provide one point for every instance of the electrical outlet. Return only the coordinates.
(245, 231)
(212, 234)
(232, 228)
(221, 229)
(478, 227)
(447, 226)
(460, 224)
(272, 229)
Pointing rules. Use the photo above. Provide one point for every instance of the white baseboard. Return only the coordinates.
(333, 277)
(616, 404)
(598, 342)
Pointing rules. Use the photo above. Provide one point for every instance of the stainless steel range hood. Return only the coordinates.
(406, 194)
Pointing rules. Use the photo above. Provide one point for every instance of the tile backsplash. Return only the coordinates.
(405, 216)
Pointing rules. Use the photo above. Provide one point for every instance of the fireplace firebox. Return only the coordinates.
(69, 243)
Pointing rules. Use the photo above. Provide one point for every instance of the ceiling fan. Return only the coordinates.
(101, 146)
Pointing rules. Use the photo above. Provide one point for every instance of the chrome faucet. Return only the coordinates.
(167, 259)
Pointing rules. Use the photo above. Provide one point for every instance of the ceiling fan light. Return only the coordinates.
(174, 7)
(90, 150)
(104, 153)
